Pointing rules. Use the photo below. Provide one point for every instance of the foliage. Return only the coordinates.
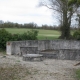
(32, 35)
(72, 2)
(16, 25)
(6, 36)
(16, 37)
(76, 35)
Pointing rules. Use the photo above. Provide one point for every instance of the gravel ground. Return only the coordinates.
(48, 69)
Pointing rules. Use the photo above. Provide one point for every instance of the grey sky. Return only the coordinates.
(25, 11)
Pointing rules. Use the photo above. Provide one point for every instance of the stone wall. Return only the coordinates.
(69, 54)
(64, 46)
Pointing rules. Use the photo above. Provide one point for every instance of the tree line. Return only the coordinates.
(30, 25)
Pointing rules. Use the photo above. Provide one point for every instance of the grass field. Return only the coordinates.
(43, 34)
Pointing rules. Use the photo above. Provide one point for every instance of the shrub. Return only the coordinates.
(16, 37)
(32, 35)
(6, 36)
(76, 35)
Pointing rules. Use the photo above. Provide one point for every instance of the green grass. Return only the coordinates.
(78, 74)
(48, 34)
(17, 30)
(47, 37)
(43, 34)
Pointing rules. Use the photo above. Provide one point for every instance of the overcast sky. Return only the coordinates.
(25, 11)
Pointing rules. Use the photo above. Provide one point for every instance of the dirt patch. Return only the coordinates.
(49, 69)
(15, 72)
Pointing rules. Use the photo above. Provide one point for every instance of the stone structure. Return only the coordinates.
(32, 57)
(28, 50)
(65, 49)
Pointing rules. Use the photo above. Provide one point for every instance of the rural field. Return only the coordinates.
(43, 34)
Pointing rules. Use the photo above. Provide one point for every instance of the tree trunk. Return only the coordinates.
(65, 30)
(79, 23)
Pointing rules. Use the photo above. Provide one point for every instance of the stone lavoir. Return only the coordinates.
(55, 49)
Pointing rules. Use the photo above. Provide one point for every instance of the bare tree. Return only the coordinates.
(66, 12)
